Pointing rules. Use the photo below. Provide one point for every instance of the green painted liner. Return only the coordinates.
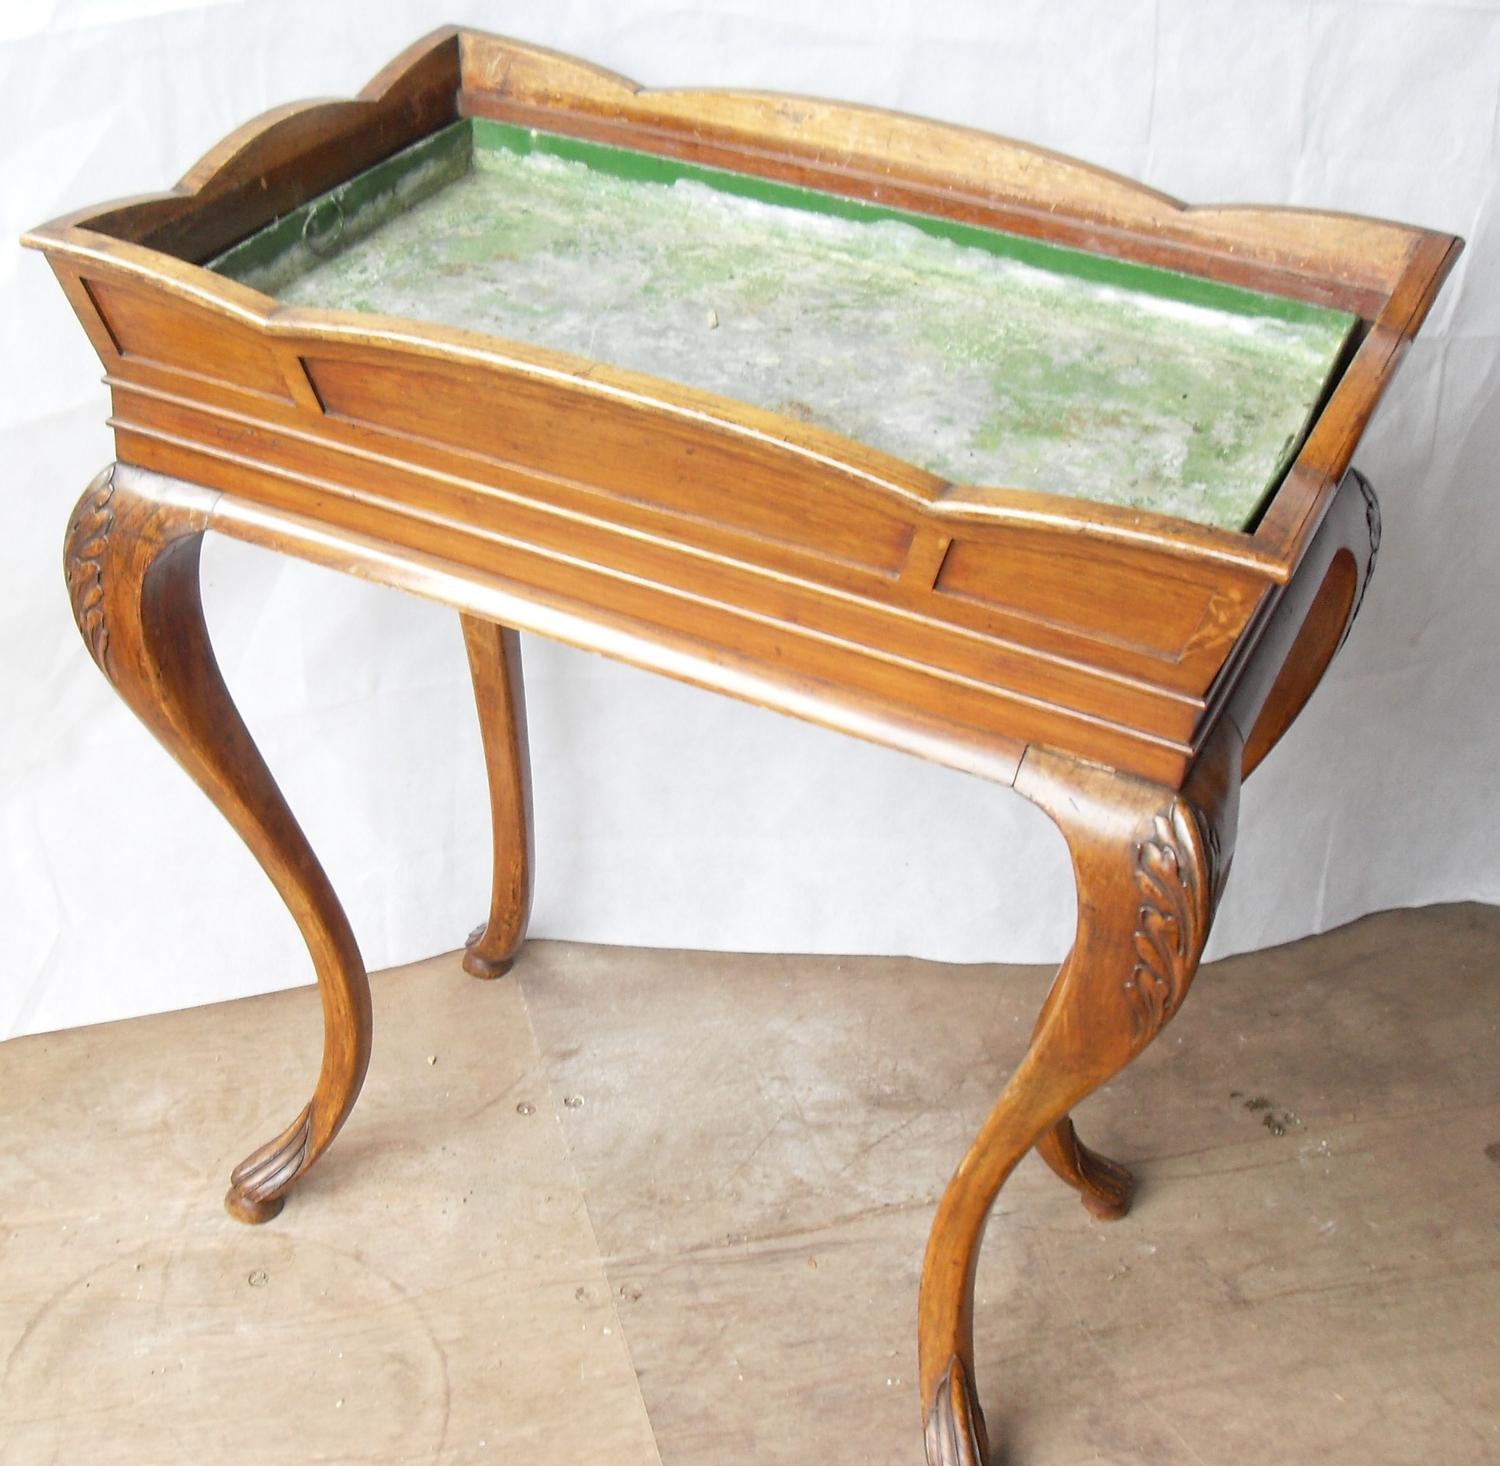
(295, 243)
(454, 145)
(1055, 258)
(884, 325)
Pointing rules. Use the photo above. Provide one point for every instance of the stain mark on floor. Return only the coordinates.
(1277, 1120)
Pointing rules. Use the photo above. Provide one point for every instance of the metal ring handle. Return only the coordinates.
(323, 240)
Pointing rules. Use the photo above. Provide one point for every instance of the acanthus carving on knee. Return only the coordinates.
(1179, 873)
(1150, 865)
(84, 551)
(126, 524)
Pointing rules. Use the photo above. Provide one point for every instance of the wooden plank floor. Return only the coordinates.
(704, 1237)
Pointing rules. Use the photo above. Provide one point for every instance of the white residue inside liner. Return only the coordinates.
(977, 368)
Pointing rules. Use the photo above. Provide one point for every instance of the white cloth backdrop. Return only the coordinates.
(668, 816)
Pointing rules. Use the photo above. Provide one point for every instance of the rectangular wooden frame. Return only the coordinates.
(727, 545)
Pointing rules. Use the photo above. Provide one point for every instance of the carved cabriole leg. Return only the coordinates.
(495, 664)
(1309, 626)
(131, 560)
(1149, 865)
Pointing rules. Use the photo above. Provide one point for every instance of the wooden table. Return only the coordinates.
(714, 383)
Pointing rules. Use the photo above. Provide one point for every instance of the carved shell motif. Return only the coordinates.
(1177, 871)
(83, 565)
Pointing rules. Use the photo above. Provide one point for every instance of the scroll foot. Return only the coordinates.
(476, 964)
(258, 1183)
(955, 1434)
(1104, 1186)
(251, 1213)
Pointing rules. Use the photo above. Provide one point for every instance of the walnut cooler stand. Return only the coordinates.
(1123, 668)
